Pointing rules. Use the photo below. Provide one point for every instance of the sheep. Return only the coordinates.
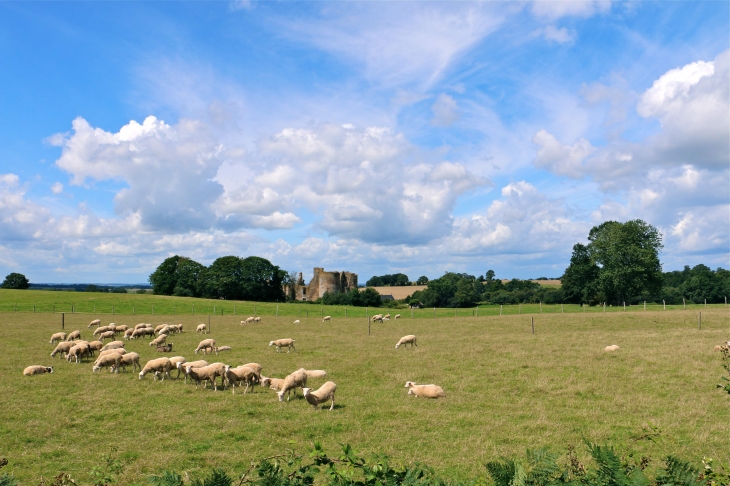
(143, 331)
(37, 370)
(612, 347)
(405, 340)
(321, 395)
(397, 316)
(179, 328)
(257, 319)
(202, 328)
(205, 345)
(63, 348)
(78, 351)
(157, 366)
(140, 326)
(222, 348)
(184, 367)
(254, 366)
(274, 383)
(73, 335)
(297, 322)
(283, 343)
(327, 318)
(165, 330)
(111, 327)
(106, 335)
(95, 322)
(96, 346)
(159, 340)
(385, 319)
(242, 373)
(161, 326)
(111, 360)
(128, 334)
(113, 345)
(207, 373)
(100, 330)
(316, 373)
(291, 382)
(121, 329)
(387, 316)
(426, 391)
(377, 318)
(175, 360)
(130, 359)
(248, 320)
(59, 336)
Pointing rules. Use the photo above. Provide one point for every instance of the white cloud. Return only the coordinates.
(445, 111)
(556, 9)
(560, 35)
(57, 188)
(566, 160)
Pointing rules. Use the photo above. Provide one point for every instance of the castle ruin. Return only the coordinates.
(332, 282)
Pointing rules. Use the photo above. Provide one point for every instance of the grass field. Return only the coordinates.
(507, 390)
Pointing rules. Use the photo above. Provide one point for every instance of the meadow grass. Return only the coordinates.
(507, 390)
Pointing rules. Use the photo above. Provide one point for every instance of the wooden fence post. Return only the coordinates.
(699, 321)
(532, 320)
(63, 320)
(500, 309)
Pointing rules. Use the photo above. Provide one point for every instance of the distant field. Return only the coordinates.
(507, 390)
(400, 293)
(148, 304)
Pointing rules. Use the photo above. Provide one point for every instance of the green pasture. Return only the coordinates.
(40, 301)
(507, 390)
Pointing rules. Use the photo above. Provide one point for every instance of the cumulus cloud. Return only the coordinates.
(559, 158)
(445, 111)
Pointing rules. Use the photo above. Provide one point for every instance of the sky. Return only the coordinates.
(373, 137)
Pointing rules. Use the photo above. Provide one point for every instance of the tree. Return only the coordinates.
(490, 275)
(163, 278)
(189, 276)
(422, 280)
(581, 277)
(15, 281)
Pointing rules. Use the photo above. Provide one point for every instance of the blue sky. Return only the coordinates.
(374, 137)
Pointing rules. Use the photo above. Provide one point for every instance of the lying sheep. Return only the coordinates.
(222, 349)
(37, 370)
(184, 367)
(321, 395)
(397, 316)
(159, 340)
(130, 359)
(202, 328)
(73, 335)
(95, 322)
(297, 322)
(63, 348)
(158, 366)
(113, 345)
(111, 360)
(207, 373)
(275, 384)
(205, 345)
(405, 340)
(612, 347)
(59, 336)
(283, 343)
(426, 391)
(327, 318)
(241, 374)
(291, 382)
(316, 373)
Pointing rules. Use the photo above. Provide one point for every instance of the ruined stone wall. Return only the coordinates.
(332, 282)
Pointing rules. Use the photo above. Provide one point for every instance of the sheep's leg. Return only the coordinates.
(333, 401)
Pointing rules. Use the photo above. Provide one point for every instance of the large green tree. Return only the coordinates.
(252, 278)
(178, 275)
(621, 261)
(15, 281)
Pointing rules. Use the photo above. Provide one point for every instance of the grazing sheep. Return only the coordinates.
(202, 328)
(142, 331)
(255, 366)
(157, 366)
(111, 360)
(128, 334)
(274, 383)
(377, 316)
(121, 329)
(222, 348)
(158, 328)
(405, 340)
(96, 346)
(205, 345)
(140, 325)
(59, 336)
(248, 320)
(387, 316)
(99, 330)
(130, 359)
(113, 345)
(241, 374)
(316, 373)
(184, 367)
(327, 318)
(291, 382)
(257, 319)
(297, 322)
(37, 370)
(176, 360)
(207, 373)
(106, 335)
(95, 322)
(179, 328)
(321, 395)
(612, 347)
(426, 391)
(283, 343)
(63, 348)
(159, 340)
(78, 351)
(73, 335)
(397, 316)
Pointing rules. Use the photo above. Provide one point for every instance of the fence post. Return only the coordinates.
(254, 311)
(73, 308)
(624, 306)
(604, 307)
(411, 312)
(192, 310)
(434, 312)
(54, 306)
(664, 302)
(307, 313)
(500, 309)
(562, 311)
(532, 320)
(345, 312)
(699, 321)
(540, 307)
(684, 304)
(519, 308)
(705, 303)
(644, 305)
(277, 310)
(33, 308)
(584, 308)
(234, 310)
(213, 308)
(94, 308)
(63, 320)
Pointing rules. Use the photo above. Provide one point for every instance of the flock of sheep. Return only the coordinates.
(114, 356)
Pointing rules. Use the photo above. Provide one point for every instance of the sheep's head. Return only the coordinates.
(409, 384)
(281, 396)
(265, 381)
(49, 369)
(306, 391)
(271, 343)
(141, 374)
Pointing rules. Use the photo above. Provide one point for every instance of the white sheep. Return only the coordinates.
(291, 382)
(377, 318)
(111, 360)
(128, 334)
(158, 340)
(321, 395)
(205, 345)
(157, 366)
(387, 316)
(248, 320)
(59, 336)
(63, 348)
(405, 340)
(397, 316)
(283, 343)
(254, 366)
(297, 322)
(274, 383)
(140, 325)
(241, 374)
(202, 328)
(95, 322)
(73, 335)
(160, 327)
(113, 345)
(37, 370)
(327, 318)
(316, 373)
(184, 367)
(121, 329)
(222, 349)
(612, 347)
(106, 335)
(207, 373)
(80, 350)
(108, 352)
(99, 330)
(257, 319)
(130, 359)
(96, 346)
(175, 360)
(142, 331)
(426, 391)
